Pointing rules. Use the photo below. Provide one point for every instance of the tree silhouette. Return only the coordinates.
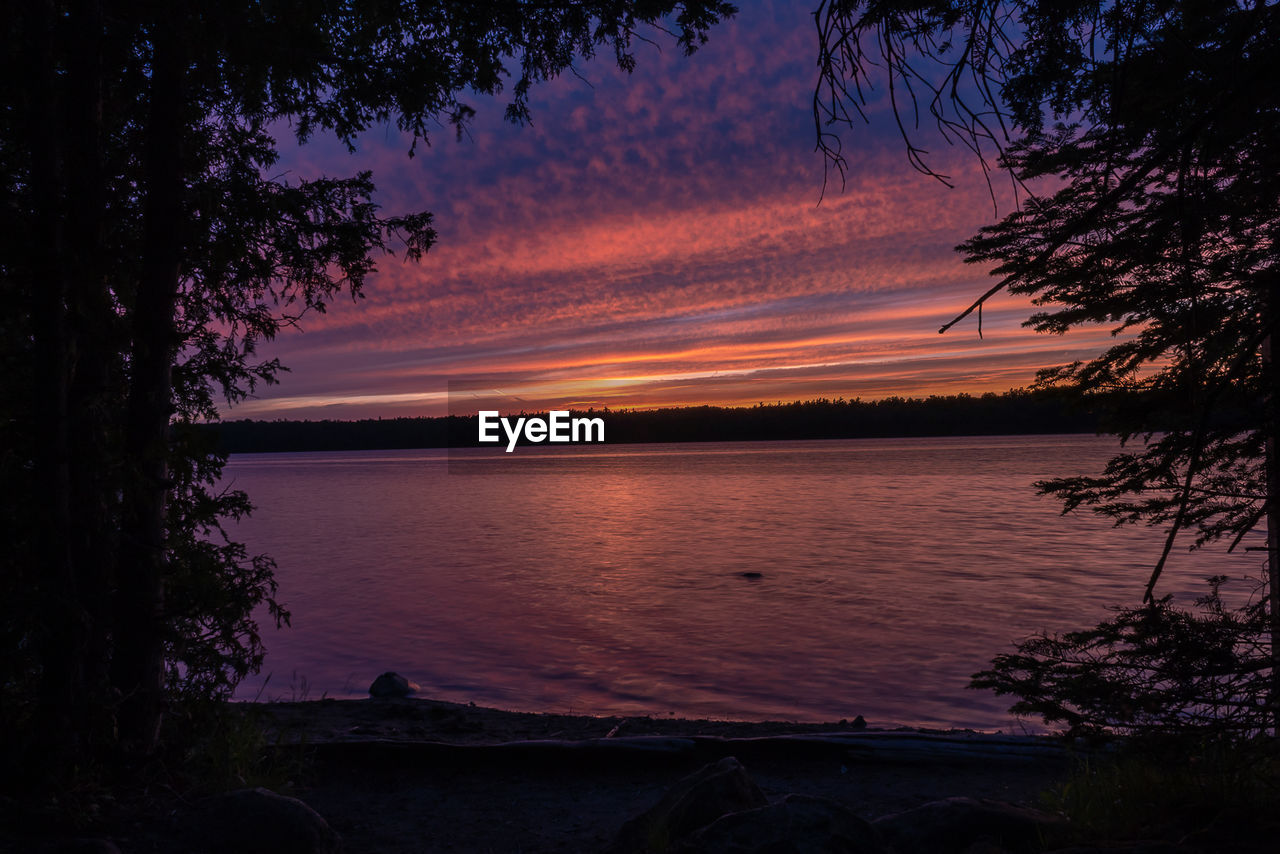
(1143, 138)
(147, 252)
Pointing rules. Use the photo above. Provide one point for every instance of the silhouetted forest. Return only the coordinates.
(1014, 412)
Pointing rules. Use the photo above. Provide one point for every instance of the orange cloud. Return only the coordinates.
(656, 238)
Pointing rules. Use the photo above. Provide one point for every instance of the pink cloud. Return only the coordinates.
(666, 225)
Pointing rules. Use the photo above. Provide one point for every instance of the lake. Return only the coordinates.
(609, 579)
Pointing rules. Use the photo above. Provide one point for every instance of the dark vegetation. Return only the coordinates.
(1157, 671)
(1203, 795)
(1140, 140)
(954, 415)
(148, 244)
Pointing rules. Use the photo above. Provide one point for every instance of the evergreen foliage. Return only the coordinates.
(1142, 138)
(148, 249)
(1011, 413)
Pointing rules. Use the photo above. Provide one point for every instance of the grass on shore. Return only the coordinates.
(1215, 796)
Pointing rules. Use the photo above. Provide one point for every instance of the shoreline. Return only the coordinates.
(418, 718)
(394, 776)
(400, 775)
(388, 774)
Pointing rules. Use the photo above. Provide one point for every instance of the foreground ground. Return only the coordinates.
(424, 776)
(420, 775)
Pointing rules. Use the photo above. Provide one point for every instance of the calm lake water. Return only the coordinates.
(608, 579)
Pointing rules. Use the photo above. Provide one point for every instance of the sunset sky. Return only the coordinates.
(657, 239)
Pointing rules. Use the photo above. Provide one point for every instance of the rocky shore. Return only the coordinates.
(393, 775)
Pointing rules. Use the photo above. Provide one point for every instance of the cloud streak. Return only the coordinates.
(657, 239)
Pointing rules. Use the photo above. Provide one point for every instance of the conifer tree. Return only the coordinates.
(1144, 140)
(147, 251)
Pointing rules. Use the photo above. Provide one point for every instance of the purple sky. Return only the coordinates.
(657, 239)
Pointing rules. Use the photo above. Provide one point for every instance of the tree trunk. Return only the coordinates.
(62, 682)
(138, 660)
(1271, 423)
(91, 320)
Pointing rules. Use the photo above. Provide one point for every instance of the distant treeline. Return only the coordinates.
(952, 415)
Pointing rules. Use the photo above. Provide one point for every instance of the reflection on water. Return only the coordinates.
(610, 579)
